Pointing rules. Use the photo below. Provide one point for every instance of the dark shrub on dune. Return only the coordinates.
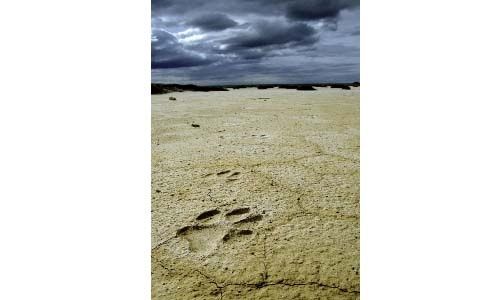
(287, 86)
(158, 88)
(305, 88)
(298, 87)
(209, 89)
(340, 86)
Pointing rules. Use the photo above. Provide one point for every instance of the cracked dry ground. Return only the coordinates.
(261, 201)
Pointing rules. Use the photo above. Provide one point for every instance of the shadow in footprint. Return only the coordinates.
(238, 211)
(208, 214)
(223, 172)
(249, 219)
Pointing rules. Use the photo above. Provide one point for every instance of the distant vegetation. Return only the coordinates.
(160, 88)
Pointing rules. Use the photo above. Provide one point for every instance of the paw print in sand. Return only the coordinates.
(229, 175)
(212, 229)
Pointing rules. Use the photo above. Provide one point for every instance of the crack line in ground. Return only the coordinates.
(210, 194)
(212, 281)
(265, 275)
(161, 243)
(265, 283)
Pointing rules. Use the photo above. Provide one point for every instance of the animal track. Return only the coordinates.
(207, 214)
(238, 211)
(236, 214)
(223, 229)
(223, 172)
(250, 219)
(229, 178)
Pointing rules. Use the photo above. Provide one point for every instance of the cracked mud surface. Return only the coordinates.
(259, 202)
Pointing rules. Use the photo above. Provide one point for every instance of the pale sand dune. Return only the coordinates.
(259, 202)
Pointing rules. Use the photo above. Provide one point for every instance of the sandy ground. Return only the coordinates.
(261, 201)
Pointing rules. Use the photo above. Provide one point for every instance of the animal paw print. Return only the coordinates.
(228, 174)
(212, 229)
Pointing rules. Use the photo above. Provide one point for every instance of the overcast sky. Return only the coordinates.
(255, 41)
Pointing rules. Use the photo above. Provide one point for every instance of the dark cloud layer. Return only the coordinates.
(167, 52)
(316, 9)
(213, 22)
(265, 34)
(209, 42)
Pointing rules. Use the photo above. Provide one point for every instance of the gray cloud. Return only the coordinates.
(201, 41)
(258, 7)
(265, 34)
(317, 9)
(167, 53)
(213, 22)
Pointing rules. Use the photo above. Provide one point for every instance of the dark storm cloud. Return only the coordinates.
(261, 40)
(266, 34)
(180, 62)
(167, 53)
(312, 8)
(213, 22)
(237, 73)
(316, 9)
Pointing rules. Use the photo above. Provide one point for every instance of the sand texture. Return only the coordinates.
(261, 200)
